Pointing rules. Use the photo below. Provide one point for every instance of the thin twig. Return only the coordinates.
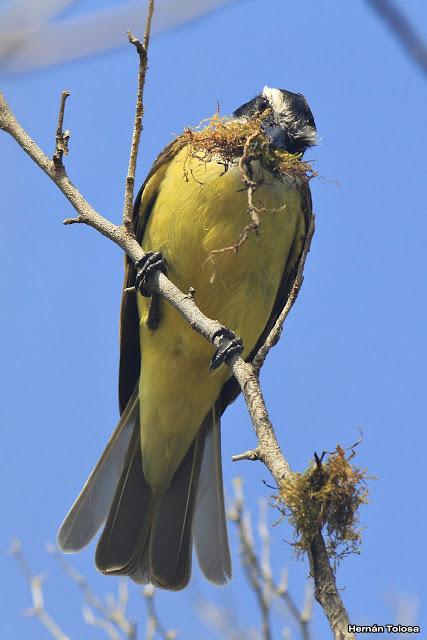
(100, 622)
(249, 558)
(142, 50)
(404, 31)
(113, 613)
(264, 562)
(254, 212)
(154, 625)
(62, 137)
(35, 582)
(221, 620)
(252, 455)
(259, 571)
(302, 618)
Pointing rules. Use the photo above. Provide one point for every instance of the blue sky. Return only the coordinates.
(353, 352)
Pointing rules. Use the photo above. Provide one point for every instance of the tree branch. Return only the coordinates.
(326, 592)
(268, 450)
(302, 617)
(142, 50)
(249, 559)
(112, 613)
(35, 582)
(403, 30)
(62, 137)
(258, 569)
(154, 625)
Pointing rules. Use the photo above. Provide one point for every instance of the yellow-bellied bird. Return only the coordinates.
(157, 487)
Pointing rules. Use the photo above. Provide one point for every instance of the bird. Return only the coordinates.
(157, 489)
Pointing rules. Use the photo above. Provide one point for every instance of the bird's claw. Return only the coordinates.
(230, 345)
(150, 262)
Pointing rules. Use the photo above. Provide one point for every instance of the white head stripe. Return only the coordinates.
(285, 115)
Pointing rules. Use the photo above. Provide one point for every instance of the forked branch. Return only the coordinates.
(267, 450)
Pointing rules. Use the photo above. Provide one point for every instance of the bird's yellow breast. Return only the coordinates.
(200, 212)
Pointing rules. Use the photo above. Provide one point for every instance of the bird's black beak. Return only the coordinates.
(276, 134)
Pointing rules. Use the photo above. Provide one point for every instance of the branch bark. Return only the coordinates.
(404, 31)
(258, 567)
(268, 450)
(36, 586)
(112, 615)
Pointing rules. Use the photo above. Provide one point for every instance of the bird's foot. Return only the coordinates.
(151, 261)
(230, 345)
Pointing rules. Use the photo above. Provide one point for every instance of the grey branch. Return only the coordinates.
(112, 616)
(139, 113)
(268, 447)
(36, 583)
(100, 622)
(268, 450)
(62, 137)
(258, 567)
(154, 625)
(404, 31)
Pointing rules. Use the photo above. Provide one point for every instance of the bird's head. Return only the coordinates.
(289, 124)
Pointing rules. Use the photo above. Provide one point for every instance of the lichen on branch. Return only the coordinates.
(327, 496)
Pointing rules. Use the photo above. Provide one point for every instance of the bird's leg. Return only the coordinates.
(152, 261)
(230, 345)
(153, 317)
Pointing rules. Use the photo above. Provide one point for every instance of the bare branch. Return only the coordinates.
(35, 582)
(112, 614)
(249, 558)
(403, 30)
(264, 561)
(252, 455)
(154, 625)
(142, 50)
(267, 450)
(258, 569)
(303, 617)
(268, 447)
(222, 621)
(325, 590)
(102, 623)
(62, 137)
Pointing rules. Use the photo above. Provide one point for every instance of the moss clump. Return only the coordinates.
(327, 495)
(225, 140)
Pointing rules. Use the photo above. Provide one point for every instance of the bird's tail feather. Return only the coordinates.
(91, 508)
(209, 521)
(166, 561)
(147, 536)
(128, 524)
